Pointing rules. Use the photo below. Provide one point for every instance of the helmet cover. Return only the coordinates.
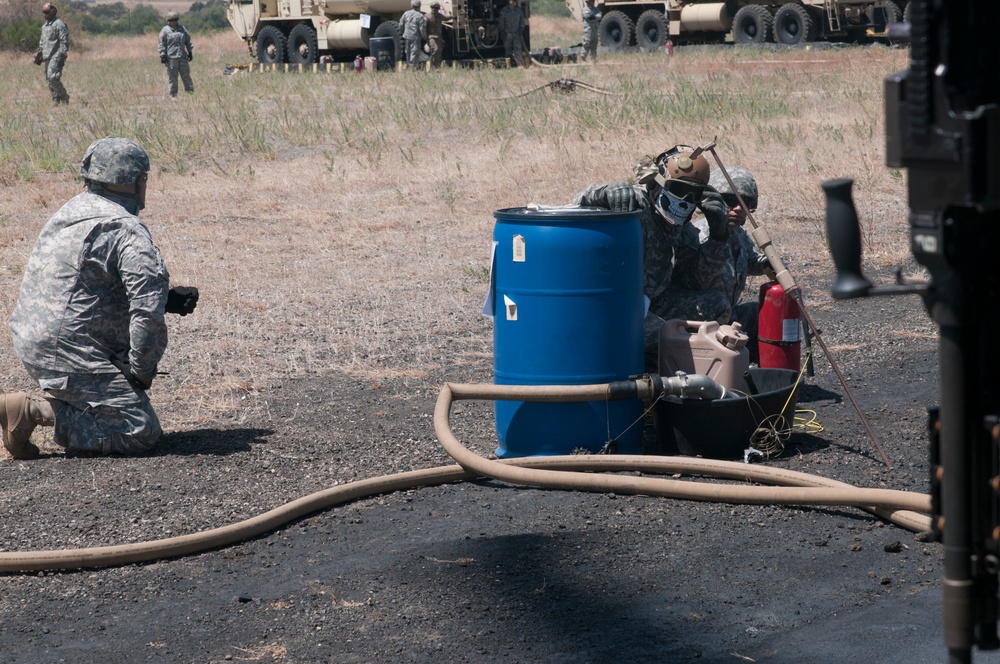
(746, 186)
(114, 161)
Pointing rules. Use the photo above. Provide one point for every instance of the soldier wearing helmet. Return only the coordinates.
(679, 268)
(747, 259)
(435, 28)
(176, 52)
(413, 28)
(89, 321)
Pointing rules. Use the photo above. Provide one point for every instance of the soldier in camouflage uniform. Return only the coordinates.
(510, 25)
(435, 24)
(413, 27)
(53, 46)
(175, 54)
(747, 259)
(89, 321)
(591, 27)
(678, 268)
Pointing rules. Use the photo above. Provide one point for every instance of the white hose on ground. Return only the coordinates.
(904, 508)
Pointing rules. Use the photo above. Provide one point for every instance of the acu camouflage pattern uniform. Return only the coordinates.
(54, 46)
(678, 268)
(510, 25)
(175, 53)
(413, 27)
(747, 259)
(591, 27)
(94, 288)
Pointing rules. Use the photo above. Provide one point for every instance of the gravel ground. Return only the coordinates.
(480, 571)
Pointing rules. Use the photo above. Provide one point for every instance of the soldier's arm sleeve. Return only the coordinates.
(146, 283)
(187, 43)
(697, 264)
(592, 196)
(162, 44)
(63, 47)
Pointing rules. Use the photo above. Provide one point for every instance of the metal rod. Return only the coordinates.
(788, 284)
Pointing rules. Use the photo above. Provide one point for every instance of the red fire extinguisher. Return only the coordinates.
(358, 64)
(778, 339)
(670, 47)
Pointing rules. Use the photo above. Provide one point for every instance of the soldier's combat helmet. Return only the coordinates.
(114, 161)
(746, 186)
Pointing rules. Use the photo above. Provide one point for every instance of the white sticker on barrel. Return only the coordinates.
(790, 329)
(518, 248)
(511, 308)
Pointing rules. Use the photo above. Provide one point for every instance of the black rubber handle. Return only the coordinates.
(844, 234)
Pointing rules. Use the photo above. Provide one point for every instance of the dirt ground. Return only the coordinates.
(477, 571)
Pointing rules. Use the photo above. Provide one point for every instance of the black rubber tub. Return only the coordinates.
(721, 429)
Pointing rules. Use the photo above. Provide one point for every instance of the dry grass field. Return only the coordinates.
(342, 223)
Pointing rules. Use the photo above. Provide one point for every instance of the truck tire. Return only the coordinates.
(752, 25)
(793, 25)
(302, 45)
(270, 45)
(888, 13)
(616, 31)
(651, 30)
(391, 29)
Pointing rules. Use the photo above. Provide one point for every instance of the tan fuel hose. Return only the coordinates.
(904, 508)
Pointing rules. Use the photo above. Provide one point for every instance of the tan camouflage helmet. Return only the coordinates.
(683, 162)
(173, 16)
(114, 161)
(435, 5)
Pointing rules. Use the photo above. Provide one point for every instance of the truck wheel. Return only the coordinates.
(651, 30)
(616, 31)
(391, 29)
(270, 45)
(302, 44)
(752, 25)
(888, 13)
(793, 25)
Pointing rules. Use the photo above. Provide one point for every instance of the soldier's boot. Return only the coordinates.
(19, 415)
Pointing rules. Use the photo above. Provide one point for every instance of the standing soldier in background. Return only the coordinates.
(413, 26)
(591, 26)
(175, 54)
(52, 49)
(435, 22)
(510, 24)
(89, 321)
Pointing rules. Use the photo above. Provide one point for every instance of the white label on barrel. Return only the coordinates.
(511, 308)
(518, 248)
(790, 329)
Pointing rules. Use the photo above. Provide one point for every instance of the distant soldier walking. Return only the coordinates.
(435, 23)
(591, 27)
(510, 25)
(413, 25)
(175, 54)
(53, 47)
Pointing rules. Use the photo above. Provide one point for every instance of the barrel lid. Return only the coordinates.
(552, 212)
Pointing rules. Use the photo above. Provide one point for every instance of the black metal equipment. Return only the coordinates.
(943, 126)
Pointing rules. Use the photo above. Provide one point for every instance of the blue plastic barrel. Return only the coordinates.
(568, 306)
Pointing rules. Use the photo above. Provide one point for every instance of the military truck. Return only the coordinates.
(649, 25)
(303, 31)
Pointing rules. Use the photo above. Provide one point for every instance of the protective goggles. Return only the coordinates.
(731, 202)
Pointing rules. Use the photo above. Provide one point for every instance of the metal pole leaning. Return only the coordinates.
(787, 282)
